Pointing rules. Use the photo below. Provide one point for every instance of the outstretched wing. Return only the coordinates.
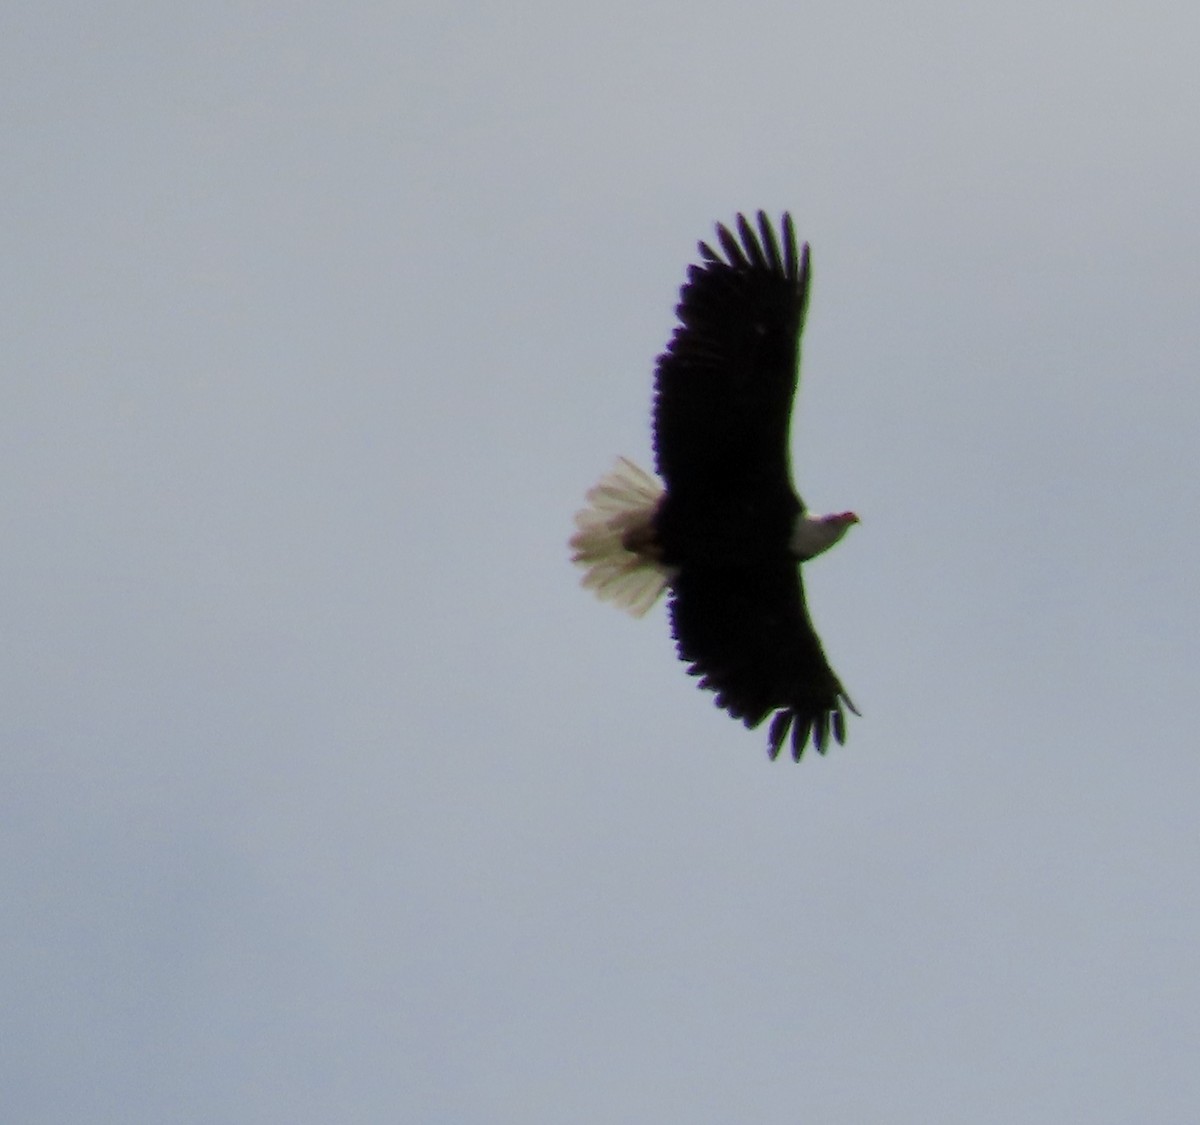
(746, 632)
(725, 385)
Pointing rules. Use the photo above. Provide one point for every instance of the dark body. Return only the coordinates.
(724, 393)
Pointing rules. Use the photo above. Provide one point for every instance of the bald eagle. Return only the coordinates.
(725, 531)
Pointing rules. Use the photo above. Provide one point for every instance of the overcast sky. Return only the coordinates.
(326, 795)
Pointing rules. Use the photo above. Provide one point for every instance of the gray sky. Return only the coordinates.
(326, 794)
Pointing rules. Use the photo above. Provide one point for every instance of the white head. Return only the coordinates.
(814, 534)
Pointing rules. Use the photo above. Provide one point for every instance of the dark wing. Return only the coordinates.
(746, 632)
(725, 385)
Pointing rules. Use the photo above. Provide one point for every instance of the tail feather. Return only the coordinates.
(615, 541)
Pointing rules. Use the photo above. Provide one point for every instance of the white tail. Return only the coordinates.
(615, 540)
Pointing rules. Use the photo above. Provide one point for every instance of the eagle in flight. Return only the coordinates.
(723, 529)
